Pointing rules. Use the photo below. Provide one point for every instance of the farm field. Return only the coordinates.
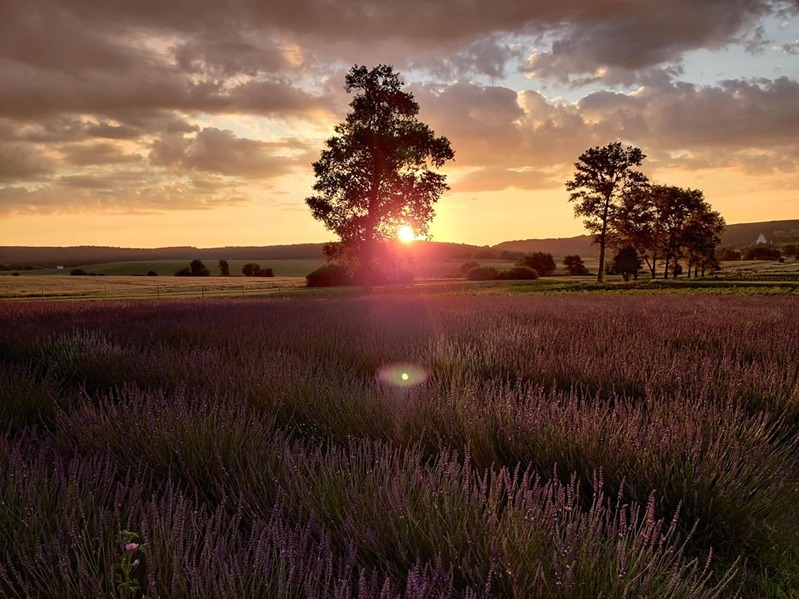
(122, 287)
(401, 445)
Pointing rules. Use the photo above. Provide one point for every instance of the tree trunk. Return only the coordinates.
(600, 276)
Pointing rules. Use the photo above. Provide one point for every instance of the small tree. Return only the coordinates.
(224, 268)
(541, 262)
(574, 266)
(374, 175)
(250, 269)
(627, 263)
(198, 269)
(602, 178)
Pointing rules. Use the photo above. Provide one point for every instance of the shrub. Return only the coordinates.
(183, 272)
(467, 266)
(574, 266)
(79, 272)
(482, 273)
(518, 273)
(541, 262)
(329, 275)
(152, 273)
(255, 270)
(728, 254)
(762, 252)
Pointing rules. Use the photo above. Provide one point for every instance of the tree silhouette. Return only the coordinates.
(224, 268)
(575, 266)
(198, 269)
(602, 178)
(374, 175)
(541, 262)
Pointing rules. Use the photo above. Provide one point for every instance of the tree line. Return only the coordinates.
(197, 268)
(643, 222)
(376, 175)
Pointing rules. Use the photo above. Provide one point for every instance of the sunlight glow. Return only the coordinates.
(405, 234)
(402, 375)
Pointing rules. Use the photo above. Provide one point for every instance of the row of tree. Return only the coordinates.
(198, 269)
(376, 175)
(625, 212)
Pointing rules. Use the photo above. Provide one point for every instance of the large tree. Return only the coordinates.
(666, 223)
(603, 177)
(374, 176)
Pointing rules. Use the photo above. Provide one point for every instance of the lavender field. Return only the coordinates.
(401, 446)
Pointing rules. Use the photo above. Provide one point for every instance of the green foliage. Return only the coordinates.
(542, 262)
(375, 175)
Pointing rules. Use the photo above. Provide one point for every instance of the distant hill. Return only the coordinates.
(50, 257)
(735, 236)
(745, 234)
(582, 245)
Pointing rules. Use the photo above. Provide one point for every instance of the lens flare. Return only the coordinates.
(402, 375)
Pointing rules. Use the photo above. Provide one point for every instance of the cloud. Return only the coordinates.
(133, 103)
(221, 151)
(97, 153)
(22, 162)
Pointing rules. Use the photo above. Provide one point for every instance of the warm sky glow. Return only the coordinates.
(151, 124)
(406, 234)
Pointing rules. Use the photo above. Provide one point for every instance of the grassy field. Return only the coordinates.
(416, 445)
(65, 287)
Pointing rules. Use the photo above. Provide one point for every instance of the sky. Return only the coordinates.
(144, 123)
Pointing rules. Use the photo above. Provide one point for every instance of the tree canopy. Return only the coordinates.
(374, 176)
(603, 178)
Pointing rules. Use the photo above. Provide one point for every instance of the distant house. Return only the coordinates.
(60, 267)
(761, 239)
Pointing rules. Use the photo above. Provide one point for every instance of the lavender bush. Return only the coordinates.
(549, 446)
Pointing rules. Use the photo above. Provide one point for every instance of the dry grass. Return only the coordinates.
(69, 287)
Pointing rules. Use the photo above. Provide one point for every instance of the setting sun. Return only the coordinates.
(405, 234)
